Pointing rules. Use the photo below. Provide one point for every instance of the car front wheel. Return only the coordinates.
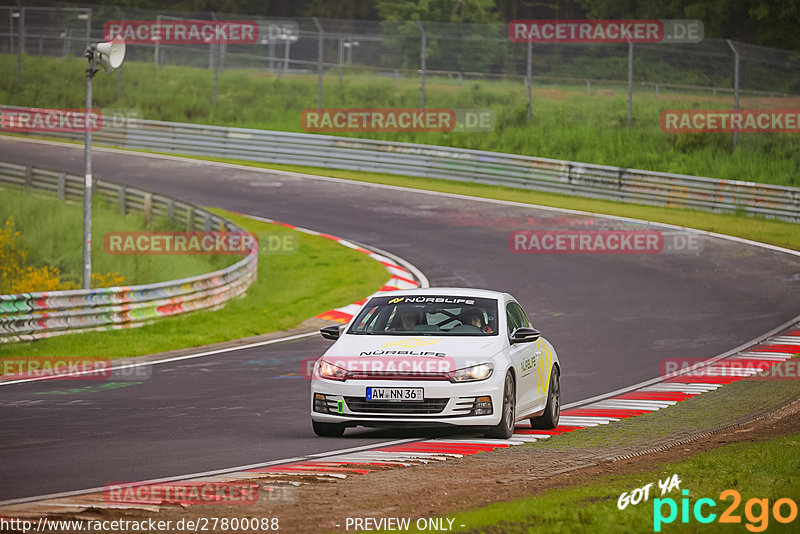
(505, 428)
(552, 411)
(329, 430)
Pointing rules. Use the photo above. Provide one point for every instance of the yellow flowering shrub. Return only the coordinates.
(16, 276)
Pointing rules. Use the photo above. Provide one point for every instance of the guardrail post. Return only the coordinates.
(62, 185)
(423, 49)
(206, 223)
(189, 218)
(171, 210)
(28, 179)
(121, 199)
(148, 209)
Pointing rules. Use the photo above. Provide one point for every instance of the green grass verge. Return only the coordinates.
(567, 124)
(290, 288)
(784, 234)
(766, 470)
(57, 240)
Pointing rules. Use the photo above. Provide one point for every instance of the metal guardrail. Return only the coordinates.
(30, 316)
(430, 161)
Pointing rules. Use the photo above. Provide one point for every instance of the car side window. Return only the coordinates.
(523, 315)
(513, 316)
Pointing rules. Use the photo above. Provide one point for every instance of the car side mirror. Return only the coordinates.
(331, 332)
(524, 334)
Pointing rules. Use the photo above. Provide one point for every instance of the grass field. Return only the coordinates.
(55, 240)
(290, 288)
(566, 123)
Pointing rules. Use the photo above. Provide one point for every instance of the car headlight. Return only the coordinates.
(471, 374)
(332, 372)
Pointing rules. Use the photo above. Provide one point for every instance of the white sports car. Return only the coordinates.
(436, 356)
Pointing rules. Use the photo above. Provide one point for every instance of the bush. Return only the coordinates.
(16, 276)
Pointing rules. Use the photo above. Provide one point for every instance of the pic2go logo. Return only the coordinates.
(756, 511)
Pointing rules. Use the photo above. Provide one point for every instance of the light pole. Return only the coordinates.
(109, 56)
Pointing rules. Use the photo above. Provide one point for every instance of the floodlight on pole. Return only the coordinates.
(108, 56)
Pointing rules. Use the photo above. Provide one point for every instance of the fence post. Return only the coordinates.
(320, 37)
(216, 73)
(11, 31)
(630, 81)
(156, 48)
(62, 184)
(529, 81)
(119, 69)
(171, 210)
(588, 88)
(735, 88)
(422, 64)
(189, 219)
(341, 58)
(20, 44)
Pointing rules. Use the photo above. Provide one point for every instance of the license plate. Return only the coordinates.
(396, 394)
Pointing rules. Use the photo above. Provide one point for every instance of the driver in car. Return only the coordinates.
(409, 318)
(474, 316)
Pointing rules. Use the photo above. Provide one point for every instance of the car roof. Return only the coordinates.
(452, 292)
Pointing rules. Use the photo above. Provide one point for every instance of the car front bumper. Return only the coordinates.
(444, 403)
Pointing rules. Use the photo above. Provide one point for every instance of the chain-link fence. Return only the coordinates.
(410, 51)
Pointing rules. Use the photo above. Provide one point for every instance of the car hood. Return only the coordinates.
(460, 350)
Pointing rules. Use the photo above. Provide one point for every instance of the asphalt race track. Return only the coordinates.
(612, 318)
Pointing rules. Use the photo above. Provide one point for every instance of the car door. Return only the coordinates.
(533, 364)
(523, 357)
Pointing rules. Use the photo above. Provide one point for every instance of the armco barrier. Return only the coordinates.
(572, 178)
(29, 316)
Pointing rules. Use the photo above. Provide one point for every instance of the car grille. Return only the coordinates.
(427, 406)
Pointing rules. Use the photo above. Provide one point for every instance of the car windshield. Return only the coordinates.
(433, 315)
